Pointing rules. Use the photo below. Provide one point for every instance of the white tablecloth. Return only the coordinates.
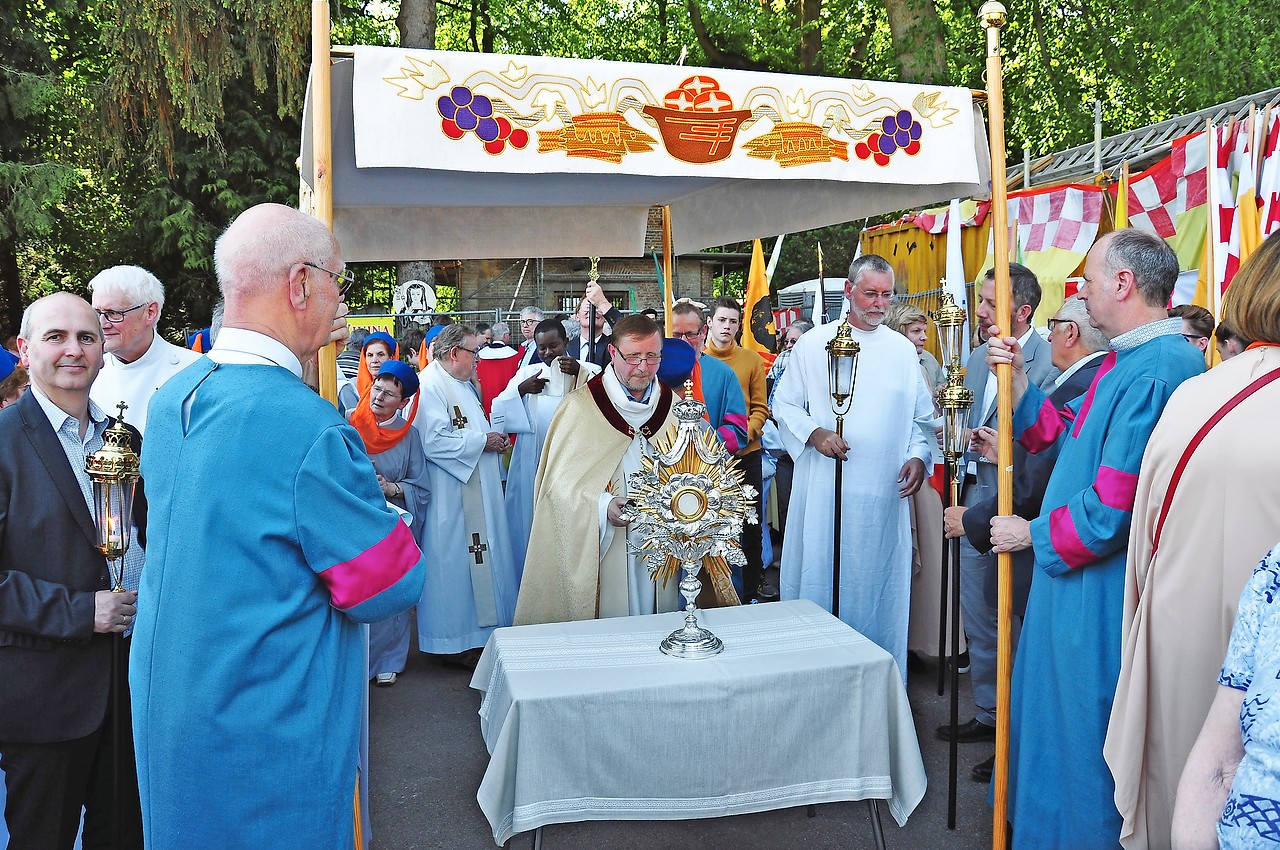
(589, 721)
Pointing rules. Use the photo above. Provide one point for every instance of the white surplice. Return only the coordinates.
(529, 417)
(885, 428)
(447, 621)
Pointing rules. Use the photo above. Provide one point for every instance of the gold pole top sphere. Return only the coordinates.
(992, 14)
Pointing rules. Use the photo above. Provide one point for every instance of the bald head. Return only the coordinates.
(61, 342)
(258, 250)
(278, 270)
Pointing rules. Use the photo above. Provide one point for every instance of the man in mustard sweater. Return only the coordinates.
(726, 320)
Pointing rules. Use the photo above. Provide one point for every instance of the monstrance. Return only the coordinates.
(688, 500)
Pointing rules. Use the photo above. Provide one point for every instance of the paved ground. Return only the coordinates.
(427, 759)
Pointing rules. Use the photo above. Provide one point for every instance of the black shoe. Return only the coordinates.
(962, 662)
(462, 661)
(767, 593)
(982, 771)
(967, 733)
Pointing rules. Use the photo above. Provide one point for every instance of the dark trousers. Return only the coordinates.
(751, 541)
(47, 785)
(782, 484)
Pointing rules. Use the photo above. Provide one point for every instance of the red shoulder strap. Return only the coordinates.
(1208, 426)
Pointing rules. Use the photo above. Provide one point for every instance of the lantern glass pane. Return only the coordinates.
(113, 514)
(842, 375)
(954, 427)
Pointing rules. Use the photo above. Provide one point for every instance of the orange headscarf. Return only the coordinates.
(364, 378)
(378, 439)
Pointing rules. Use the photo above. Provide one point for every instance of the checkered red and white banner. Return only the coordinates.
(1172, 186)
(972, 214)
(1269, 178)
(1065, 217)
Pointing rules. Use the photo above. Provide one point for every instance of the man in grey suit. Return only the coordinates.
(57, 612)
(980, 485)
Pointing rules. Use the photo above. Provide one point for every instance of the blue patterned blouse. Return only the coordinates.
(1251, 817)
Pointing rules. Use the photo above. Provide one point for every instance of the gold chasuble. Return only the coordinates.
(582, 461)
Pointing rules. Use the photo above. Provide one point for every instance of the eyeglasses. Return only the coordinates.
(472, 351)
(384, 392)
(688, 335)
(347, 279)
(117, 315)
(1193, 338)
(1053, 323)
(528, 321)
(637, 359)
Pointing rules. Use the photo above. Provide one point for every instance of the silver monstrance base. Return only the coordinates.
(692, 641)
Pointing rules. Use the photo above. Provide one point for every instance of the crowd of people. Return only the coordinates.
(467, 482)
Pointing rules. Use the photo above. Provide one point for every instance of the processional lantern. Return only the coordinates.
(953, 323)
(842, 372)
(955, 399)
(113, 471)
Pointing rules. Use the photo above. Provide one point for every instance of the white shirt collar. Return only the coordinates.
(1076, 367)
(241, 346)
(57, 416)
(152, 348)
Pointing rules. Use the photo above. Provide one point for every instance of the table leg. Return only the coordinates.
(877, 828)
(811, 810)
(537, 839)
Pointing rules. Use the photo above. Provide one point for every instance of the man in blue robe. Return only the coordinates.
(270, 544)
(1060, 789)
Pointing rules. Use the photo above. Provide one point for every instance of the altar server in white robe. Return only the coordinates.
(471, 580)
(525, 408)
(578, 566)
(885, 456)
(138, 361)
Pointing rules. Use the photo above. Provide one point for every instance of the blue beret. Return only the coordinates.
(7, 363)
(403, 373)
(431, 333)
(380, 336)
(678, 358)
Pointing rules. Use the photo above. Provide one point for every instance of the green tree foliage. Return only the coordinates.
(38, 170)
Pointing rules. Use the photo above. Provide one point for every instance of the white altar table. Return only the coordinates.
(589, 721)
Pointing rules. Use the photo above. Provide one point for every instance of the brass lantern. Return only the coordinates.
(955, 399)
(842, 370)
(953, 326)
(113, 470)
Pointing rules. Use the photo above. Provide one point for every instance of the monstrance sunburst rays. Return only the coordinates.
(687, 503)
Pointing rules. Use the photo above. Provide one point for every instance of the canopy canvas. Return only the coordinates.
(444, 155)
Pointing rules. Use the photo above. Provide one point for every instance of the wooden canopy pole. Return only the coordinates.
(992, 16)
(668, 272)
(322, 165)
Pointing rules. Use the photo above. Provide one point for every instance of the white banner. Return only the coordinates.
(487, 113)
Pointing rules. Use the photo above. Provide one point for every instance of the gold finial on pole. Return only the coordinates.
(992, 16)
